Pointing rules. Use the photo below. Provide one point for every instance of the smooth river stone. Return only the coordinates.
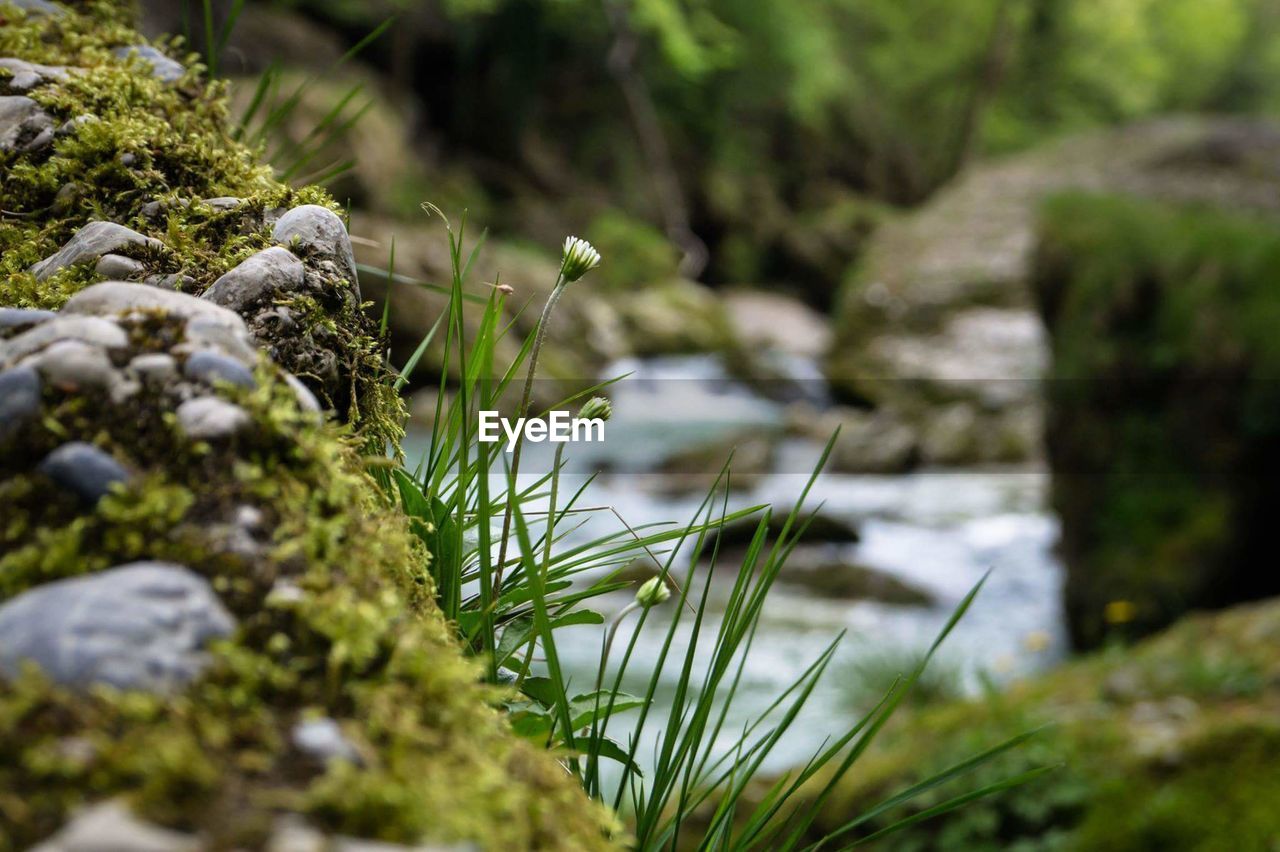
(140, 626)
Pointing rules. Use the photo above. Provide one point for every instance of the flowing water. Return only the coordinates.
(939, 531)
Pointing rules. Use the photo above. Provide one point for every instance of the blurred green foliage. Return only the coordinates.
(773, 109)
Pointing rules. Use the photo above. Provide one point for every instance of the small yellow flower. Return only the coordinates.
(1037, 641)
(580, 257)
(1120, 612)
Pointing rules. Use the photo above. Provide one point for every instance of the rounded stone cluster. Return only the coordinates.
(124, 347)
(94, 345)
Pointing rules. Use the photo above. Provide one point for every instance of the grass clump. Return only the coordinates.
(507, 575)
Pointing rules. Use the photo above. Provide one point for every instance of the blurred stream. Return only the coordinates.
(939, 531)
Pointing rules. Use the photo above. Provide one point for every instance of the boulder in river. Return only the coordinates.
(1162, 427)
(940, 308)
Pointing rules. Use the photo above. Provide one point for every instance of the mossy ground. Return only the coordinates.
(336, 610)
(1163, 421)
(1170, 745)
(360, 640)
(167, 143)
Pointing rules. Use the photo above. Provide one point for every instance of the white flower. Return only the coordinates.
(580, 257)
(652, 593)
(596, 408)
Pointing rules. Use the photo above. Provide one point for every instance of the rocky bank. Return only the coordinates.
(215, 631)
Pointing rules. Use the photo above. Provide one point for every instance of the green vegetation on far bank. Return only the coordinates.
(1168, 745)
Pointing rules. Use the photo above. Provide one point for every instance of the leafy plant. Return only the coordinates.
(509, 577)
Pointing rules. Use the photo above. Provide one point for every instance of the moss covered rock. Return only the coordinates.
(1163, 423)
(205, 426)
(939, 310)
(131, 150)
(1169, 746)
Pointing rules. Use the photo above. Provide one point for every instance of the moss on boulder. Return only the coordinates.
(937, 319)
(1170, 746)
(253, 489)
(158, 157)
(1163, 424)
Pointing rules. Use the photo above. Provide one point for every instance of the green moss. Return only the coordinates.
(335, 605)
(1169, 745)
(1163, 405)
(172, 144)
(359, 640)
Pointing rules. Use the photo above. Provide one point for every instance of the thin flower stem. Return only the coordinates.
(608, 640)
(524, 410)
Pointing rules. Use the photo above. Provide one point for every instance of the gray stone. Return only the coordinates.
(322, 739)
(123, 297)
(27, 75)
(291, 833)
(19, 399)
(249, 518)
(209, 333)
(995, 356)
(94, 330)
(306, 399)
(24, 126)
(154, 367)
(83, 469)
(319, 230)
(243, 536)
(879, 441)
(66, 196)
(208, 418)
(74, 365)
(162, 67)
(117, 266)
(71, 125)
(41, 140)
(110, 827)
(11, 318)
(285, 593)
(224, 202)
(172, 281)
(90, 243)
(210, 367)
(264, 276)
(39, 7)
(139, 626)
(775, 321)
